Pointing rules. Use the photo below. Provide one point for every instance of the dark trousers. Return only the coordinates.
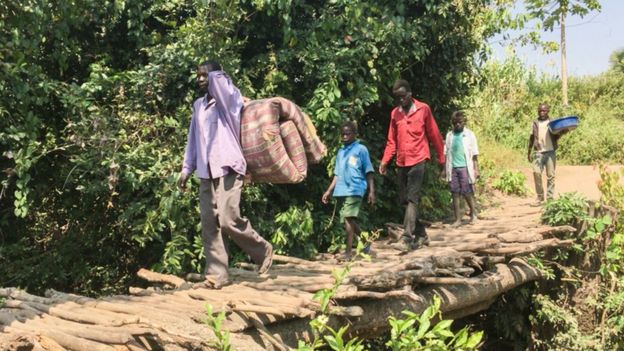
(410, 184)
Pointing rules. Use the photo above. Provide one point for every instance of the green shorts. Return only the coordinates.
(349, 206)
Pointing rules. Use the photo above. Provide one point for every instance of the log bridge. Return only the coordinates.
(467, 267)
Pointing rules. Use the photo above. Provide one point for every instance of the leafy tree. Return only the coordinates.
(617, 60)
(555, 12)
(95, 107)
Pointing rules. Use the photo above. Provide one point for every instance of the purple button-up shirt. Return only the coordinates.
(213, 147)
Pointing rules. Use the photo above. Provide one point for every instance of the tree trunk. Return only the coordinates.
(564, 63)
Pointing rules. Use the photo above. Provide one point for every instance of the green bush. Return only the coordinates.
(567, 209)
(511, 183)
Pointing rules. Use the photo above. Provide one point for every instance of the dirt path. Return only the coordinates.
(583, 179)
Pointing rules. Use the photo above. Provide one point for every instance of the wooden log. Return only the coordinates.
(387, 281)
(409, 294)
(293, 260)
(257, 309)
(528, 248)
(455, 272)
(262, 330)
(64, 340)
(69, 314)
(18, 294)
(454, 298)
(136, 291)
(346, 311)
(551, 231)
(58, 296)
(154, 277)
(474, 247)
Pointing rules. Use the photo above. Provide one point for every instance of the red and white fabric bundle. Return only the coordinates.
(278, 140)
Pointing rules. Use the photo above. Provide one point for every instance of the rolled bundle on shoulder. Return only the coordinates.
(278, 140)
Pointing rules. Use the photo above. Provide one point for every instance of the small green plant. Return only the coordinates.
(568, 209)
(295, 226)
(511, 183)
(416, 332)
(215, 323)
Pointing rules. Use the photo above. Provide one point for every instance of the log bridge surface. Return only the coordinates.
(467, 267)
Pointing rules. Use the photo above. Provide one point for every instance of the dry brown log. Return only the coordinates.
(527, 248)
(346, 311)
(453, 280)
(154, 277)
(550, 231)
(518, 237)
(389, 280)
(257, 309)
(474, 247)
(455, 272)
(18, 294)
(470, 310)
(409, 294)
(104, 336)
(293, 260)
(64, 340)
(262, 330)
(65, 312)
(58, 296)
(136, 291)
(454, 298)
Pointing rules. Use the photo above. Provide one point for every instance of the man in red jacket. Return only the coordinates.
(412, 127)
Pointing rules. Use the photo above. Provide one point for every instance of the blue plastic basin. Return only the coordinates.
(562, 124)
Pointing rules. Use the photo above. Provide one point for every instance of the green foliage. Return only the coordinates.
(502, 107)
(612, 191)
(550, 11)
(566, 333)
(416, 332)
(215, 323)
(95, 104)
(294, 232)
(511, 183)
(567, 209)
(617, 61)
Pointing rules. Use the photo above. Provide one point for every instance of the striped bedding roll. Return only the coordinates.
(278, 140)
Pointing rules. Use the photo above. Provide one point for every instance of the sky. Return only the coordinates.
(590, 42)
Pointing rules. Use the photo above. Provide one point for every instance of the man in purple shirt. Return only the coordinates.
(214, 152)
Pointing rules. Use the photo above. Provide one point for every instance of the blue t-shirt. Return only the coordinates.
(352, 165)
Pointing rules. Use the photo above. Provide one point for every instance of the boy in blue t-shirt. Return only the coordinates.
(353, 173)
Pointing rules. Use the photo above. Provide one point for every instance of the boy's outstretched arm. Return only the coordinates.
(327, 194)
(370, 180)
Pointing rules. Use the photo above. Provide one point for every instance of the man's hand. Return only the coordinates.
(325, 198)
(443, 174)
(529, 157)
(371, 197)
(182, 180)
(382, 168)
(441, 168)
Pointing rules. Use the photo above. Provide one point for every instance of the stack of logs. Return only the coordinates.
(467, 271)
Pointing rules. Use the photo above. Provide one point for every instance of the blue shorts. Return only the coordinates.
(460, 181)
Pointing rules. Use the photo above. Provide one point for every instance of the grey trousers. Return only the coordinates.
(410, 183)
(544, 160)
(219, 201)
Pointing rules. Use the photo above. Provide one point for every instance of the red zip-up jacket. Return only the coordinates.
(409, 136)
